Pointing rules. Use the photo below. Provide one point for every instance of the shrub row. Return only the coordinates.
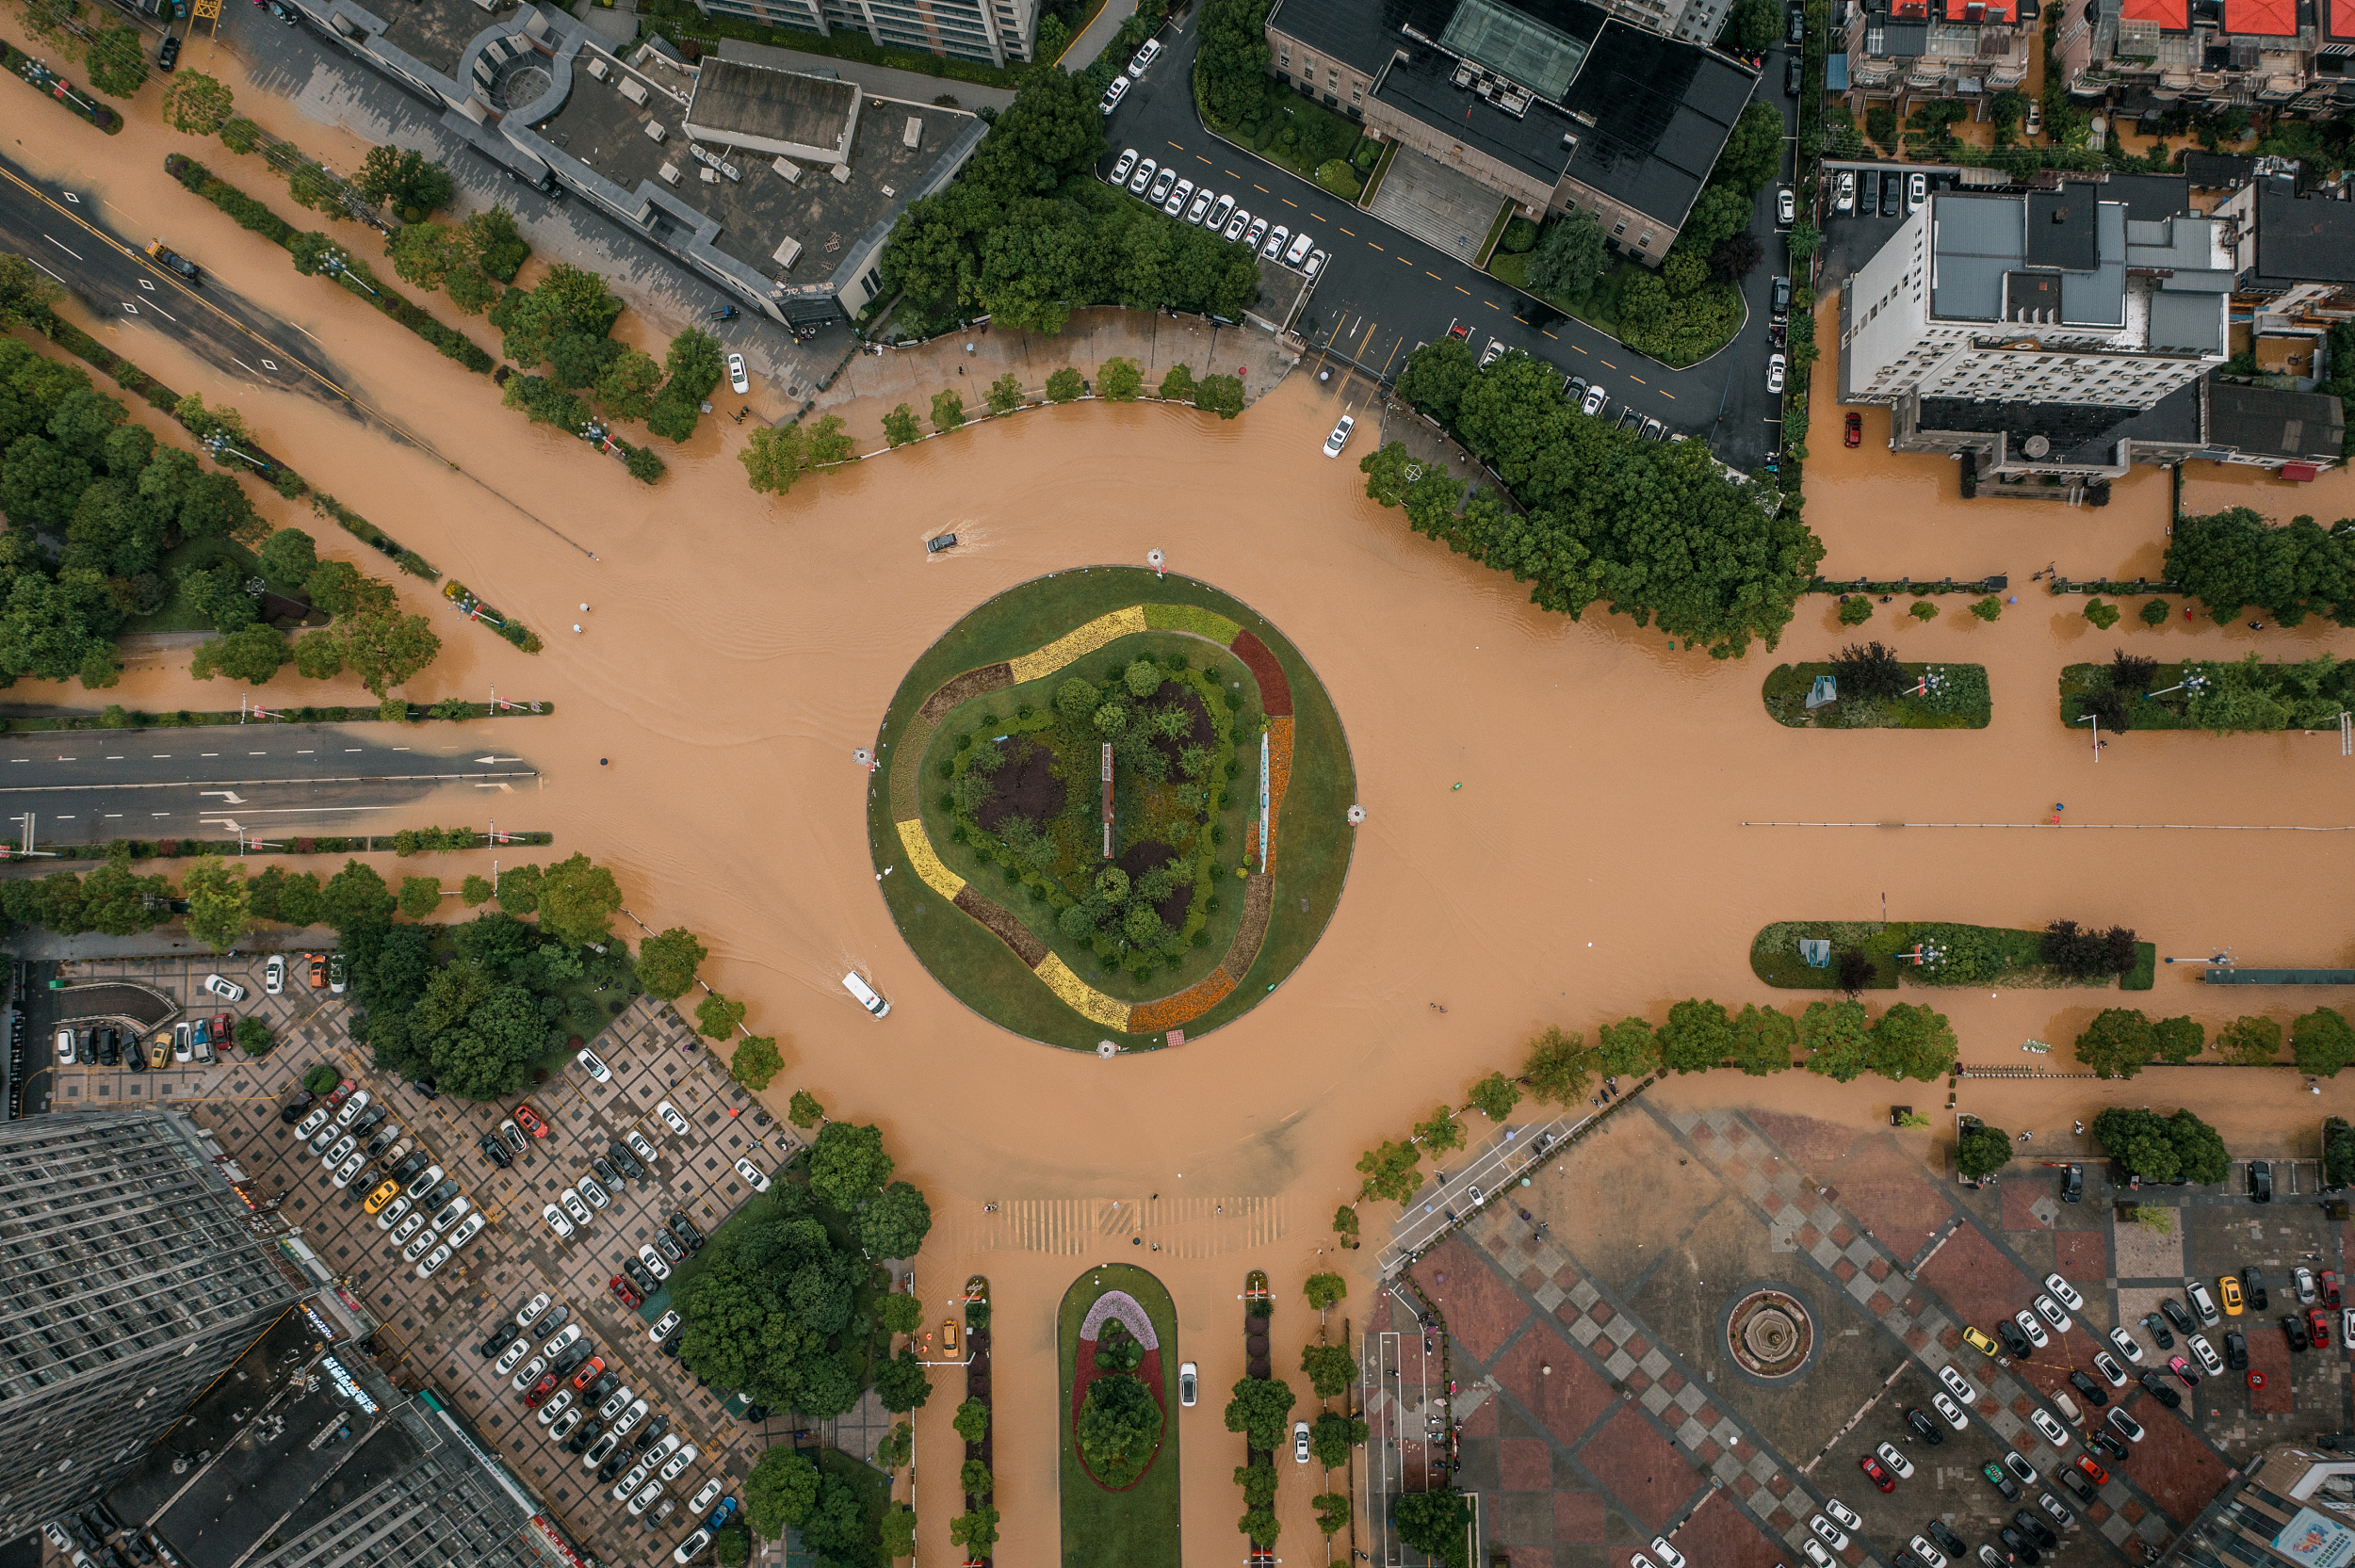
(253, 215)
(182, 849)
(117, 717)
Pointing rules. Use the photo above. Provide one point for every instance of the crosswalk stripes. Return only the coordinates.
(1183, 1227)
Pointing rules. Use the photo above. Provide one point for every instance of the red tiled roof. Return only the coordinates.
(2166, 14)
(2264, 18)
(2338, 20)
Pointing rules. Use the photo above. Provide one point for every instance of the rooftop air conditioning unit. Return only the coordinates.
(731, 171)
(914, 134)
(842, 174)
(655, 131)
(598, 69)
(633, 89)
(711, 177)
(787, 166)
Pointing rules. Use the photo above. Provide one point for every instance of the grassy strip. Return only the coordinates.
(45, 82)
(138, 719)
(1975, 955)
(191, 848)
(1312, 859)
(257, 217)
(1136, 1528)
(290, 484)
(1963, 705)
(1496, 233)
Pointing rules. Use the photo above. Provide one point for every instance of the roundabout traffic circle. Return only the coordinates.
(1125, 800)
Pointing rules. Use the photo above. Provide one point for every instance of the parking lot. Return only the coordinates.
(431, 1328)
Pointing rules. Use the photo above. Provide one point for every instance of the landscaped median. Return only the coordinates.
(1124, 781)
(1117, 1339)
(1925, 697)
(2137, 692)
(1872, 955)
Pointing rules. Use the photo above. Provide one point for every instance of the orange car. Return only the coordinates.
(318, 971)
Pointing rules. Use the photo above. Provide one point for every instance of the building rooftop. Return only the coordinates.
(1361, 32)
(2062, 230)
(1422, 86)
(2302, 427)
(2194, 323)
(2148, 197)
(758, 209)
(2218, 170)
(2173, 15)
(2075, 434)
(1654, 113)
(2261, 18)
(737, 101)
(2303, 238)
(1977, 241)
(1530, 49)
(2337, 18)
(435, 31)
(271, 1437)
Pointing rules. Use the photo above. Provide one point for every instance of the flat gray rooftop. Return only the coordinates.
(761, 209)
(783, 105)
(1975, 241)
(436, 31)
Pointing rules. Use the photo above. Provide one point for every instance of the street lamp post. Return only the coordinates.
(2094, 720)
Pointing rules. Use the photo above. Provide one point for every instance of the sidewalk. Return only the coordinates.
(967, 363)
(1092, 39)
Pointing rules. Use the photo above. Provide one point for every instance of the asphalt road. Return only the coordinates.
(86, 785)
(1384, 292)
(97, 251)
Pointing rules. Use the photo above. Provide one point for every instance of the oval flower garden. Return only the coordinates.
(1110, 786)
(1117, 1333)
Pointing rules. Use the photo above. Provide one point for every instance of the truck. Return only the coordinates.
(164, 256)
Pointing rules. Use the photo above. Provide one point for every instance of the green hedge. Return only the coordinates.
(1973, 955)
(253, 215)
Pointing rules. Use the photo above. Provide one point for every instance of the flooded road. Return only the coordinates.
(1593, 863)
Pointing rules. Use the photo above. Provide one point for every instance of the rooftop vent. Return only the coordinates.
(2060, 214)
(2035, 447)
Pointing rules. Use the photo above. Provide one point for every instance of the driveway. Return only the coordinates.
(1383, 293)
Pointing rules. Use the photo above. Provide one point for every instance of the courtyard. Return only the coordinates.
(1601, 1405)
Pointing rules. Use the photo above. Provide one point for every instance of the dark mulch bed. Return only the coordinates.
(1274, 690)
(1148, 855)
(1024, 786)
(1002, 924)
(989, 677)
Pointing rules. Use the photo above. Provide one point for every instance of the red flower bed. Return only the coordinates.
(1274, 690)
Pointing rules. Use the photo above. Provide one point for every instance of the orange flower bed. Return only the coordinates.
(1188, 1004)
(1279, 774)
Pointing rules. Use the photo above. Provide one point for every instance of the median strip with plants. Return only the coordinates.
(1872, 955)
(1873, 689)
(2135, 691)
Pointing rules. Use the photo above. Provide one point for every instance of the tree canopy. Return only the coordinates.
(2163, 1148)
(2117, 1043)
(769, 1310)
(1259, 1409)
(1982, 1151)
(2230, 560)
(1650, 529)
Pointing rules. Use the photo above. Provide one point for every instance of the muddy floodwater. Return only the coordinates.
(1567, 822)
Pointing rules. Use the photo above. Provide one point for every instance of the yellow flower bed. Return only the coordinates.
(1279, 778)
(1080, 642)
(1191, 618)
(924, 863)
(1081, 997)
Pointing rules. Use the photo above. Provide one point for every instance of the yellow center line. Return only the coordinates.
(1375, 247)
(1261, 190)
(1350, 232)
(1174, 144)
(1288, 201)
(1318, 215)
(1459, 288)
(1639, 380)
(1492, 304)
(1404, 262)
(1428, 273)
(1606, 365)
(1670, 396)
(1231, 173)
(1556, 339)
(1199, 158)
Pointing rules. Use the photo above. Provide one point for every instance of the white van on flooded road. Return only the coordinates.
(865, 994)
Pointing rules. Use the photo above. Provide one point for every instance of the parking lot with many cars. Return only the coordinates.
(557, 1340)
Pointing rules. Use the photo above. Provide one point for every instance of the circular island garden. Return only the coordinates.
(1124, 798)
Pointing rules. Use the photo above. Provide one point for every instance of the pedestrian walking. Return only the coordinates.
(2081, 1127)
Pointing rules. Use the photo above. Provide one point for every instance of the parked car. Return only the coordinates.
(2050, 1311)
(1923, 1428)
(2235, 1350)
(1854, 434)
(1773, 372)
(1255, 232)
(751, 1173)
(2095, 1394)
(1179, 195)
(1143, 177)
(1597, 396)
(225, 989)
(2203, 1303)
(2107, 1366)
(495, 1151)
(1144, 57)
(740, 380)
(1876, 1472)
(1114, 93)
(2156, 1387)
(1200, 206)
(1917, 191)
(1235, 226)
(1120, 170)
(169, 55)
(627, 1292)
(275, 973)
(2229, 1289)
(1845, 200)
(1786, 205)
(1277, 238)
(2252, 1285)
(671, 1118)
(2261, 1181)
(529, 1120)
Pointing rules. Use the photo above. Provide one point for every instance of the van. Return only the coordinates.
(865, 994)
(1145, 57)
(1300, 249)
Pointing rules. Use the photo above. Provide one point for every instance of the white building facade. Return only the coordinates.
(2042, 296)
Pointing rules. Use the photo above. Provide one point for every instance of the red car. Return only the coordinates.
(2093, 1472)
(1460, 333)
(627, 1291)
(1872, 1468)
(2330, 1287)
(2318, 1328)
(590, 1371)
(223, 1028)
(1855, 436)
(529, 1120)
(336, 1095)
(541, 1389)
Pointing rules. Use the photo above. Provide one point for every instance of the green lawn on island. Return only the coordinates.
(979, 969)
(1136, 1528)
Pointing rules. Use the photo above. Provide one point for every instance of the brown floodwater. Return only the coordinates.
(1557, 810)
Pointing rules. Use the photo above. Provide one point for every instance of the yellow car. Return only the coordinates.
(2229, 1289)
(382, 1196)
(1980, 1342)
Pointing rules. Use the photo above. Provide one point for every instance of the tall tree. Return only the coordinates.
(577, 899)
